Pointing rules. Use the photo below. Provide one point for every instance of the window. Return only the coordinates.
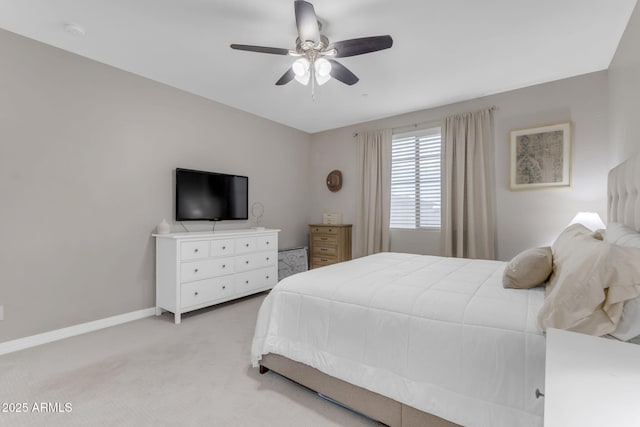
(415, 179)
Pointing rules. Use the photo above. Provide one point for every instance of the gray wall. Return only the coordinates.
(87, 154)
(524, 219)
(624, 93)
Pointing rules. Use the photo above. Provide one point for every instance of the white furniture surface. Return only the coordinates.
(199, 269)
(591, 381)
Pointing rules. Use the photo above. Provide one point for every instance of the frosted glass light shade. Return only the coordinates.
(322, 70)
(303, 79)
(323, 67)
(300, 67)
(591, 220)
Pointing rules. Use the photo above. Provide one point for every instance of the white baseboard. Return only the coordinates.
(83, 328)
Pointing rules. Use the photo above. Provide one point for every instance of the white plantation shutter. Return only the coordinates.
(415, 179)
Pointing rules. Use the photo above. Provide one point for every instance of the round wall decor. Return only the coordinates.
(334, 180)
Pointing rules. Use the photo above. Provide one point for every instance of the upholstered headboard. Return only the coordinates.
(623, 195)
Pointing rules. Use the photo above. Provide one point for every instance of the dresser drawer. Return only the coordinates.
(324, 251)
(256, 260)
(246, 244)
(265, 243)
(324, 239)
(324, 230)
(256, 279)
(194, 250)
(222, 247)
(203, 291)
(319, 261)
(198, 270)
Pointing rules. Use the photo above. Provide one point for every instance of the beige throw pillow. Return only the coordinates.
(528, 269)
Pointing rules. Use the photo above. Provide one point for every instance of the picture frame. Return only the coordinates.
(540, 157)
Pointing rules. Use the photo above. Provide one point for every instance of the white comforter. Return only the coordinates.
(438, 334)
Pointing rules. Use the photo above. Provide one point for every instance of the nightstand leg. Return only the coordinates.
(158, 311)
(177, 318)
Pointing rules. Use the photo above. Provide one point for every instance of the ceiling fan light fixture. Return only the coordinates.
(304, 79)
(300, 67)
(323, 67)
(322, 79)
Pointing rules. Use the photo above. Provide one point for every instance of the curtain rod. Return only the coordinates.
(415, 125)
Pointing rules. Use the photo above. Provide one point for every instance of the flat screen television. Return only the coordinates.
(210, 196)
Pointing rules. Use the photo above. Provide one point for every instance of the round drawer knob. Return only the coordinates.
(195, 270)
(195, 250)
(267, 258)
(224, 287)
(246, 281)
(224, 265)
(267, 242)
(224, 247)
(196, 294)
(247, 245)
(246, 262)
(267, 277)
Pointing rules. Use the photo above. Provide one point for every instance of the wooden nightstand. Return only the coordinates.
(329, 244)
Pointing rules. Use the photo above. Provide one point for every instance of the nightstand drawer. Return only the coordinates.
(203, 291)
(324, 251)
(324, 230)
(323, 260)
(198, 270)
(194, 250)
(323, 238)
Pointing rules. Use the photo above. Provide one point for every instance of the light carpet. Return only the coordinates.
(153, 373)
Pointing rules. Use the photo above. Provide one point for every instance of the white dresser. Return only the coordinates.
(196, 270)
(591, 381)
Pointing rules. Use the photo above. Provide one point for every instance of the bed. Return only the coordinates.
(412, 340)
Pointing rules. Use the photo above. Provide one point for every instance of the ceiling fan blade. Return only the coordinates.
(261, 49)
(360, 46)
(307, 22)
(342, 73)
(286, 77)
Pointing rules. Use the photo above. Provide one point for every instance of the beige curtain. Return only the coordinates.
(374, 193)
(467, 204)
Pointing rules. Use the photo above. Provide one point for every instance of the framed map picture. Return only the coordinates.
(541, 157)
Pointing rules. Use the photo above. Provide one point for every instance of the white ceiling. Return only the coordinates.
(444, 50)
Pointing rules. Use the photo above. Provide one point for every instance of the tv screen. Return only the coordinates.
(209, 196)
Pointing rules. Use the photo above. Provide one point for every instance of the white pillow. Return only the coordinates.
(629, 326)
(622, 235)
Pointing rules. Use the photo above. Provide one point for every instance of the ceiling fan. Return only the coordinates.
(315, 54)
